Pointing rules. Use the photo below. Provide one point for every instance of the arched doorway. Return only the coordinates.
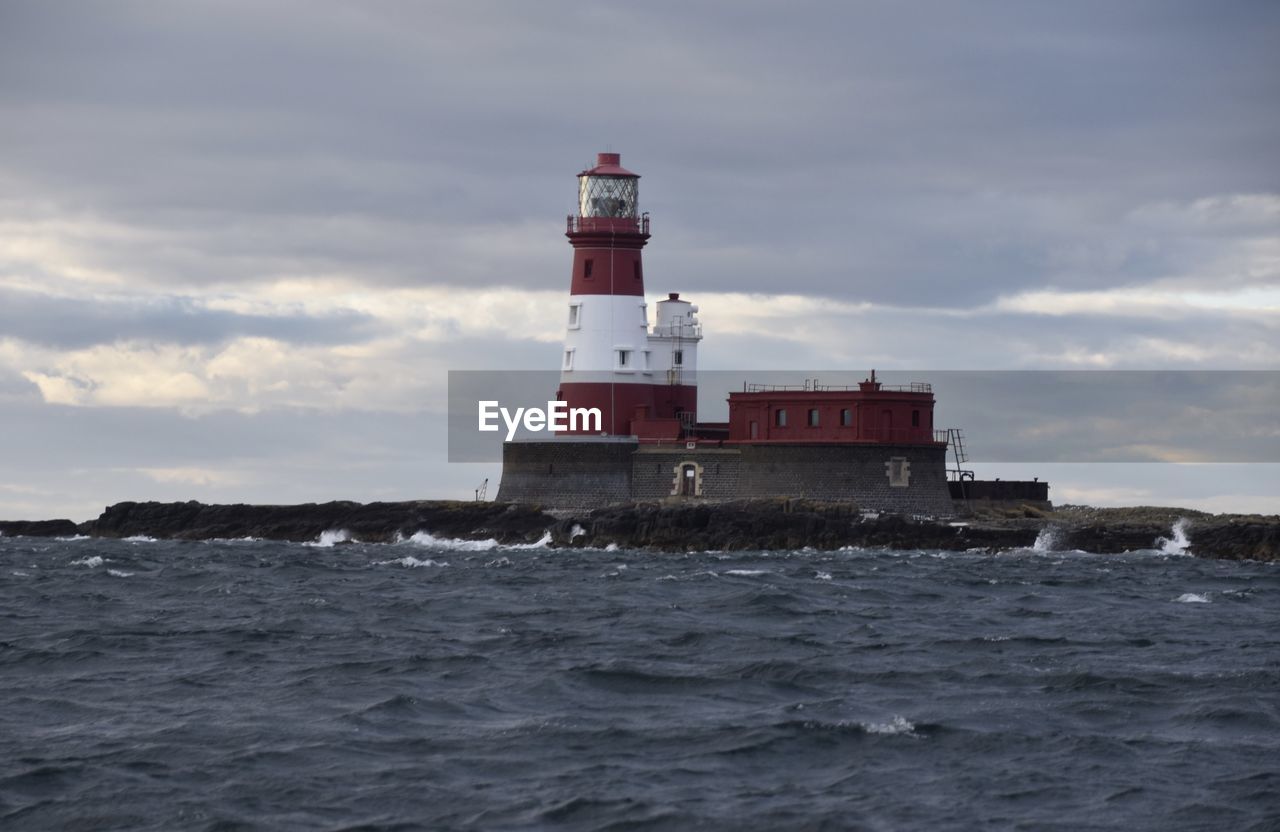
(688, 480)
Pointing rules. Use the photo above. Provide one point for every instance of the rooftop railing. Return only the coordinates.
(814, 387)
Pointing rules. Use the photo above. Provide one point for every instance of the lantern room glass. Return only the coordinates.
(607, 196)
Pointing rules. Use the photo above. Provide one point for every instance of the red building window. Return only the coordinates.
(586, 268)
(636, 268)
(780, 417)
(846, 418)
(813, 417)
(915, 418)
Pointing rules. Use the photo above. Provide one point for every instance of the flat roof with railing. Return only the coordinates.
(815, 387)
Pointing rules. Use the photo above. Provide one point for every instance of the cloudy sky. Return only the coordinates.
(242, 243)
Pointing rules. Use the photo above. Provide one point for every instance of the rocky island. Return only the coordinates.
(685, 526)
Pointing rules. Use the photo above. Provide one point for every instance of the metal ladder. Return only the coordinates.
(955, 438)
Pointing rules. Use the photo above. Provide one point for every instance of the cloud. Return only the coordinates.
(74, 323)
(193, 476)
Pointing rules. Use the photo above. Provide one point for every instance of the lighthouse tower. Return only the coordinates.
(638, 377)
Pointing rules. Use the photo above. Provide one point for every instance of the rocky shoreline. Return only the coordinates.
(679, 527)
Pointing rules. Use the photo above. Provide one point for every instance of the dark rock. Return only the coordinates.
(681, 526)
(37, 528)
(371, 522)
(1236, 540)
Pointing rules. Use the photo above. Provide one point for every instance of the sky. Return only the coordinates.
(243, 243)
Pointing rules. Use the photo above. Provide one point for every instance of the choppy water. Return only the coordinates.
(262, 685)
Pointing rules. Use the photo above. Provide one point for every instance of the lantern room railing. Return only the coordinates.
(626, 225)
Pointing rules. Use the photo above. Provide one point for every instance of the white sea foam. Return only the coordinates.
(1046, 540)
(119, 573)
(1176, 545)
(140, 538)
(746, 573)
(541, 543)
(452, 544)
(668, 578)
(612, 547)
(93, 561)
(72, 539)
(498, 563)
(897, 725)
(411, 562)
(576, 532)
(1192, 598)
(331, 538)
(823, 576)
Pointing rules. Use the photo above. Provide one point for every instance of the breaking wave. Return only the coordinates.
(1178, 543)
(1047, 540)
(332, 538)
(451, 543)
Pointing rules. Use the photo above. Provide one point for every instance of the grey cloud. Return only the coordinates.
(877, 151)
(68, 323)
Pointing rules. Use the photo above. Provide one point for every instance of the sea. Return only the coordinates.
(437, 684)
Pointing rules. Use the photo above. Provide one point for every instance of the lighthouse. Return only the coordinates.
(639, 376)
(871, 444)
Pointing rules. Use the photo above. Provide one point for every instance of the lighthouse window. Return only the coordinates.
(624, 358)
(677, 358)
(915, 418)
(568, 359)
(846, 417)
(575, 313)
(813, 417)
(780, 417)
(636, 269)
(586, 268)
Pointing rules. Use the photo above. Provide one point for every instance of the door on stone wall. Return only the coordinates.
(688, 481)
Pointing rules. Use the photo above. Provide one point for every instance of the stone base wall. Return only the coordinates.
(564, 474)
(1012, 492)
(859, 473)
(656, 472)
(909, 479)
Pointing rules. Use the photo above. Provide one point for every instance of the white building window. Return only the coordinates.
(646, 366)
(623, 359)
(677, 358)
(568, 359)
(575, 315)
